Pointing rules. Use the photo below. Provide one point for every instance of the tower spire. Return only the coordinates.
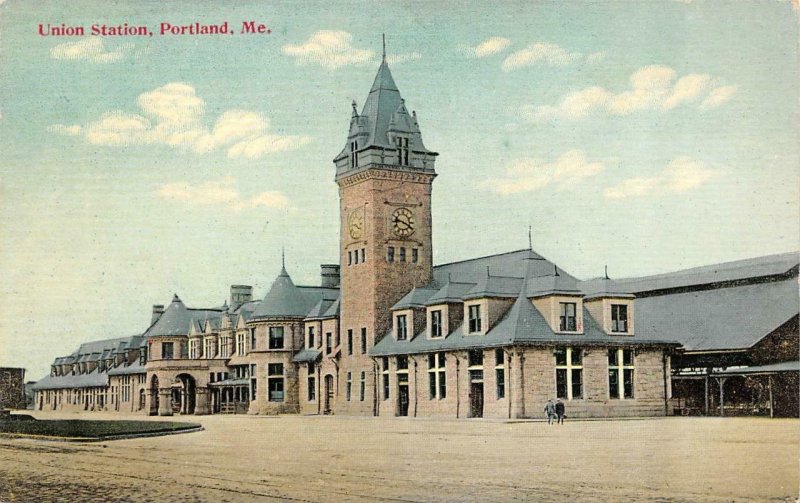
(530, 239)
(384, 47)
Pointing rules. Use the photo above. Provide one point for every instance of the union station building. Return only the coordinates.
(388, 333)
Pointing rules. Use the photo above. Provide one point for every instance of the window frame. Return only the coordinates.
(622, 369)
(475, 320)
(564, 317)
(272, 337)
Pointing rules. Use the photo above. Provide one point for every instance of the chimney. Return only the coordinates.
(330, 275)
(239, 295)
(158, 310)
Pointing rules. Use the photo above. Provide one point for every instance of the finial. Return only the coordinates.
(530, 239)
(355, 110)
(283, 257)
(556, 269)
(607, 271)
(384, 47)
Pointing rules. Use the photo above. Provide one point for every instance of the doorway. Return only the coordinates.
(328, 394)
(476, 399)
(402, 399)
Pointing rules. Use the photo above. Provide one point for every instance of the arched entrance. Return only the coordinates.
(328, 394)
(142, 395)
(153, 396)
(183, 392)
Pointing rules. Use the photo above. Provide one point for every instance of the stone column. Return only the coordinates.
(201, 406)
(164, 401)
(515, 380)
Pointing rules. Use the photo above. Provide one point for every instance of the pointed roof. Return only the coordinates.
(285, 299)
(177, 319)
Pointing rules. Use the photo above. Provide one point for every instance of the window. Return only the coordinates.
(363, 255)
(363, 340)
(355, 256)
(143, 355)
(390, 254)
(437, 376)
(569, 373)
(402, 369)
(567, 319)
(349, 341)
(275, 337)
(620, 363)
(240, 344)
(311, 341)
(402, 254)
(414, 255)
(211, 348)
(385, 376)
(402, 150)
(500, 373)
(474, 319)
(312, 383)
(348, 388)
(328, 339)
(353, 154)
(349, 258)
(362, 386)
(252, 339)
(167, 350)
(402, 329)
(436, 323)
(275, 382)
(619, 318)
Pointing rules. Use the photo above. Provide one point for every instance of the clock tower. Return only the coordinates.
(384, 175)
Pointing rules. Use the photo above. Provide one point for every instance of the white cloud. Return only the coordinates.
(223, 193)
(546, 53)
(528, 175)
(651, 87)
(330, 49)
(718, 96)
(174, 115)
(488, 47)
(680, 175)
(394, 59)
(90, 49)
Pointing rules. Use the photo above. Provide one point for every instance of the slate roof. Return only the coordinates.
(515, 264)
(603, 287)
(451, 292)
(307, 355)
(90, 380)
(133, 368)
(287, 300)
(177, 319)
(333, 311)
(734, 317)
(769, 265)
(417, 297)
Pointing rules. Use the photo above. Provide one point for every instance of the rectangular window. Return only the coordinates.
(328, 340)
(348, 386)
(567, 319)
(390, 254)
(143, 355)
(312, 388)
(569, 373)
(500, 373)
(240, 344)
(362, 386)
(275, 337)
(349, 257)
(414, 255)
(437, 377)
(353, 154)
(436, 323)
(275, 382)
(475, 358)
(252, 338)
(349, 341)
(402, 362)
(167, 350)
(363, 255)
(474, 319)
(402, 329)
(311, 341)
(619, 318)
(402, 254)
(363, 340)
(385, 376)
(621, 373)
(355, 256)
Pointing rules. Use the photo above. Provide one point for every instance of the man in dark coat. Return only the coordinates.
(560, 411)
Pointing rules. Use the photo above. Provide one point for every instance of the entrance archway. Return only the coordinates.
(328, 394)
(184, 387)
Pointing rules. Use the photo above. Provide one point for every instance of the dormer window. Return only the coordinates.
(402, 327)
(353, 154)
(402, 150)
(619, 318)
(567, 322)
(436, 323)
(474, 319)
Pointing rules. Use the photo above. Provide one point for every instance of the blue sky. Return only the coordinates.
(649, 136)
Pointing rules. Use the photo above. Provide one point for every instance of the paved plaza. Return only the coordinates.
(321, 459)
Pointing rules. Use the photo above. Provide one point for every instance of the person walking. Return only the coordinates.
(550, 411)
(560, 411)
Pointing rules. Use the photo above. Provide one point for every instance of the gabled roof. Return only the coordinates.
(553, 285)
(770, 265)
(495, 286)
(452, 292)
(333, 311)
(734, 317)
(319, 309)
(177, 319)
(510, 264)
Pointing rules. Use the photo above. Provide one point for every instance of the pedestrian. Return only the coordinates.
(560, 411)
(550, 411)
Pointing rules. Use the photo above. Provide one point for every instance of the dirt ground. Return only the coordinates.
(322, 459)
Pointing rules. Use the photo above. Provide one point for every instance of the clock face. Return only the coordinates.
(355, 223)
(403, 222)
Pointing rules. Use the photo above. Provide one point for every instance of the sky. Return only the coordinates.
(648, 136)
